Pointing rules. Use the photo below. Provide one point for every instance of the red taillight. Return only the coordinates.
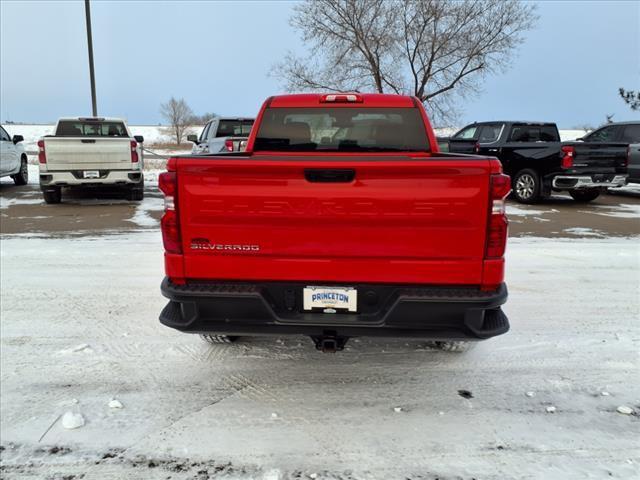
(228, 145)
(134, 151)
(500, 186)
(170, 226)
(497, 236)
(171, 232)
(42, 155)
(341, 98)
(497, 227)
(167, 183)
(568, 154)
(476, 148)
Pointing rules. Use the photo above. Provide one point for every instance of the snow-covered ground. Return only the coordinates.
(82, 347)
(157, 134)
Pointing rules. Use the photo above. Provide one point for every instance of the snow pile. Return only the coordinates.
(72, 420)
(8, 202)
(623, 210)
(149, 204)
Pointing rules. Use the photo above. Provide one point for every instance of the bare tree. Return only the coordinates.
(631, 98)
(179, 116)
(437, 50)
(202, 119)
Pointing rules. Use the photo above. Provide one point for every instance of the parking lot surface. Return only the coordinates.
(79, 304)
(23, 211)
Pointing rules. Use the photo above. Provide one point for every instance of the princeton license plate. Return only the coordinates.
(91, 174)
(337, 298)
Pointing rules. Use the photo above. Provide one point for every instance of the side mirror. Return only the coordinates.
(581, 139)
(17, 139)
(139, 138)
(192, 138)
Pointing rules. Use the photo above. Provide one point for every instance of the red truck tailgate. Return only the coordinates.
(391, 219)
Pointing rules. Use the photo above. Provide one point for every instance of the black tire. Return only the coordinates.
(585, 195)
(457, 346)
(136, 192)
(217, 339)
(526, 186)
(22, 177)
(53, 196)
(135, 195)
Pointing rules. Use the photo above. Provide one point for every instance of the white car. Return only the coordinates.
(13, 158)
(90, 152)
(222, 135)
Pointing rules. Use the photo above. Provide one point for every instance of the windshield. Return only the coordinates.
(73, 128)
(342, 129)
(234, 128)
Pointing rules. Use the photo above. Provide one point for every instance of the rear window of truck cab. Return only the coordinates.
(234, 128)
(534, 133)
(78, 128)
(335, 129)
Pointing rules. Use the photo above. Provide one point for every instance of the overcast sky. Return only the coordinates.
(217, 56)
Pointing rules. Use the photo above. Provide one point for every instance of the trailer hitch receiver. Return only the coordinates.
(329, 342)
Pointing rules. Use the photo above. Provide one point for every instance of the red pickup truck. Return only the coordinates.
(340, 219)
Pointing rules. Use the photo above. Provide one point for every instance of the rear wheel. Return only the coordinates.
(217, 339)
(585, 195)
(22, 177)
(53, 196)
(526, 186)
(136, 192)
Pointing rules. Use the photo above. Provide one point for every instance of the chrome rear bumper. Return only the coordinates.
(564, 182)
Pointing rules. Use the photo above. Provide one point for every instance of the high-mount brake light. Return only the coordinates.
(497, 227)
(341, 98)
(568, 154)
(168, 184)
(42, 155)
(134, 152)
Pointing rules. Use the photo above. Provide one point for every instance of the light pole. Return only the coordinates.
(87, 10)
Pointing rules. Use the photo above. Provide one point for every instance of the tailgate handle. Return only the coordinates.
(343, 175)
(88, 141)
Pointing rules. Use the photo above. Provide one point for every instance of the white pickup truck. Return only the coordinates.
(90, 152)
(13, 158)
(222, 135)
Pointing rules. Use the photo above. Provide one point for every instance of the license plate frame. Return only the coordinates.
(91, 174)
(331, 298)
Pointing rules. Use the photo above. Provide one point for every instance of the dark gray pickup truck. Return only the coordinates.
(621, 132)
(539, 163)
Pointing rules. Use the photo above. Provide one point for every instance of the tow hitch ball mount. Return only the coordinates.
(329, 342)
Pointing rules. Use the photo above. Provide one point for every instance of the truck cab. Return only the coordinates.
(222, 135)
